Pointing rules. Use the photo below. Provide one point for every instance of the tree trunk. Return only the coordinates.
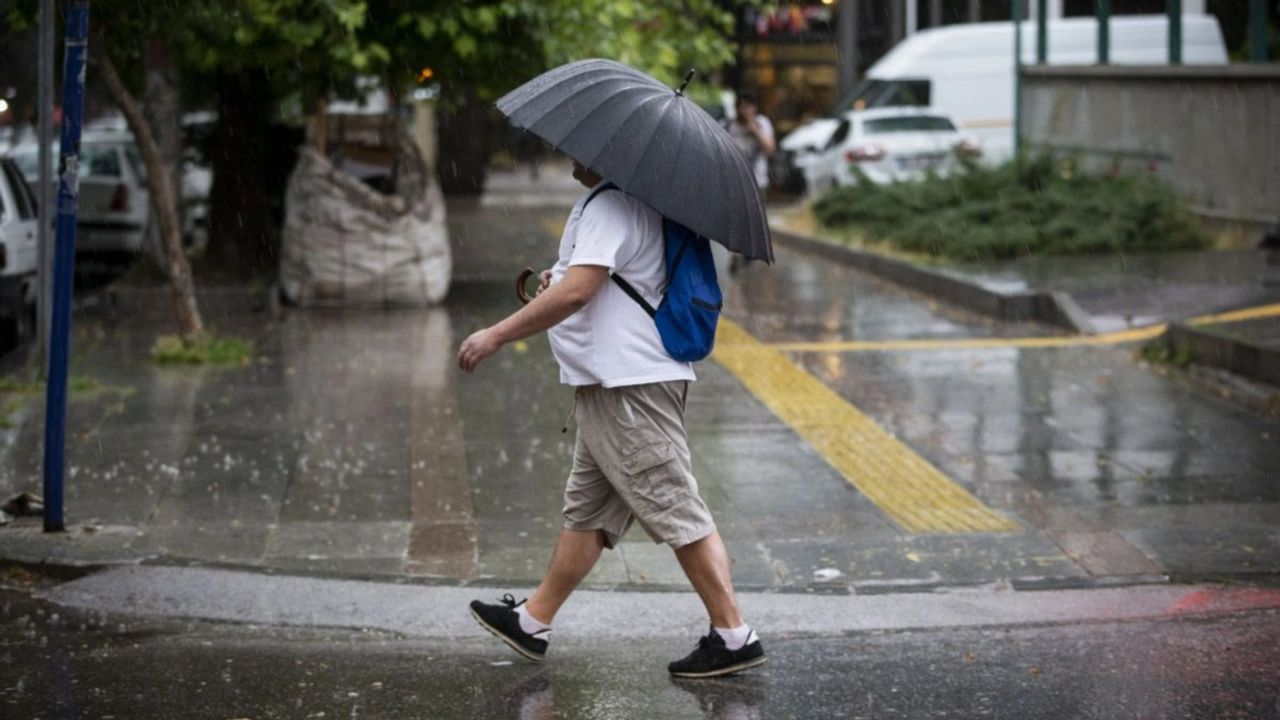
(464, 147)
(162, 106)
(242, 235)
(163, 202)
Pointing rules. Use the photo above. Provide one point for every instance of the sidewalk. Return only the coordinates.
(1189, 301)
(351, 446)
(1135, 290)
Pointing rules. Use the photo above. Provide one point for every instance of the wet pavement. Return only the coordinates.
(1134, 290)
(64, 663)
(1263, 332)
(350, 444)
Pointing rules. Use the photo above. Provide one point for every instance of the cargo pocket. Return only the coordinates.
(637, 433)
(654, 480)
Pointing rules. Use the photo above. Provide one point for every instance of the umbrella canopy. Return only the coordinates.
(652, 142)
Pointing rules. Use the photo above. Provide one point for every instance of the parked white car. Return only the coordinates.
(886, 145)
(115, 210)
(115, 203)
(18, 255)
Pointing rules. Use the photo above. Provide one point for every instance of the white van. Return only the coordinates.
(966, 71)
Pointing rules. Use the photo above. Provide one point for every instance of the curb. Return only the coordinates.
(1236, 356)
(426, 611)
(1058, 309)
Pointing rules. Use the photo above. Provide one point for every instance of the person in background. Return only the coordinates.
(753, 134)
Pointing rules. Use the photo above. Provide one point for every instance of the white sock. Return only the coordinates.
(735, 638)
(529, 623)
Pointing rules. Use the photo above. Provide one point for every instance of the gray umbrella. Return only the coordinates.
(652, 142)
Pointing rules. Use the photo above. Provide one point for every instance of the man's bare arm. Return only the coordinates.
(579, 284)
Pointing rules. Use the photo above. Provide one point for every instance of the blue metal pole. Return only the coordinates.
(1175, 31)
(64, 258)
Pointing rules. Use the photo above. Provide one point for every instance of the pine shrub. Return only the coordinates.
(1040, 206)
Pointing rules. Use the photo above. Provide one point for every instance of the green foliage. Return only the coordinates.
(662, 37)
(1042, 206)
(203, 350)
(492, 46)
(313, 48)
(1160, 353)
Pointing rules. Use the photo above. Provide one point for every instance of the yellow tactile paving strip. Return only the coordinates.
(901, 483)
(1142, 334)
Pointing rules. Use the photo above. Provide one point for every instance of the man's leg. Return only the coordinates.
(576, 553)
(706, 562)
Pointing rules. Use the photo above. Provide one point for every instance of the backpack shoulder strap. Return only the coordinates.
(597, 191)
(617, 279)
(633, 294)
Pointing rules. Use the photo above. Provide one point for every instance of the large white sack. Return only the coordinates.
(346, 244)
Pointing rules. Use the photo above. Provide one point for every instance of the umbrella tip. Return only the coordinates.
(685, 84)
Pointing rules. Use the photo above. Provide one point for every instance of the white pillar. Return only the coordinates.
(913, 21)
(1193, 7)
(1054, 9)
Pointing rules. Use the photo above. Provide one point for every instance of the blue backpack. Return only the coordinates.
(690, 307)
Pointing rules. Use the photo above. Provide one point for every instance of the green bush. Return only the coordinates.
(1041, 206)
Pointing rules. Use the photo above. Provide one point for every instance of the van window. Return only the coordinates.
(903, 92)
(907, 123)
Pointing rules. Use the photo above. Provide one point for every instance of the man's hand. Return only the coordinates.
(480, 345)
(544, 280)
(579, 284)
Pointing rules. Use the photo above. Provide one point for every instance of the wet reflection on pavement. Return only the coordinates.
(352, 445)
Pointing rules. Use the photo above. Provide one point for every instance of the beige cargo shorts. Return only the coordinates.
(631, 463)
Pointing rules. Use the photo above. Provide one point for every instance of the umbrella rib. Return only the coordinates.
(649, 143)
(559, 104)
(587, 116)
(746, 185)
(673, 156)
(617, 178)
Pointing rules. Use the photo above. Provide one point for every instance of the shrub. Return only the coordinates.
(1041, 205)
(202, 350)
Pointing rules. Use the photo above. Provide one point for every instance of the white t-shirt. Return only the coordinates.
(612, 341)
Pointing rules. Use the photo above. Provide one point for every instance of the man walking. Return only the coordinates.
(631, 456)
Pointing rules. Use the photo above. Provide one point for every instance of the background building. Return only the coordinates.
(799, 58)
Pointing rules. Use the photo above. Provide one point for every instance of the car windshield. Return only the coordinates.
(100, 161)
(907, 123)
(95, 160)
(873, 93)
(28, 162)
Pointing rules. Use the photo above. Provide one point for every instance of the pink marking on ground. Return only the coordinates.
(1215, 600)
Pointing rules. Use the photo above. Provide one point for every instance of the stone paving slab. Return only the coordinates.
(351, 445)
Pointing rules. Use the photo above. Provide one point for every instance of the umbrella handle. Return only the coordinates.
(521, 292)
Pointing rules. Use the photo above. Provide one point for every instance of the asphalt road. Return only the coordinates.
(61, 663)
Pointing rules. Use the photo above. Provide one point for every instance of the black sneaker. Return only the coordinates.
(504, 623)
(712, 659)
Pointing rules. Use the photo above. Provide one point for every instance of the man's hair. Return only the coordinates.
(746, 97)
